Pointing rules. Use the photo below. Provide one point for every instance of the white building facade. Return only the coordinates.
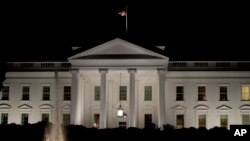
(89, 88)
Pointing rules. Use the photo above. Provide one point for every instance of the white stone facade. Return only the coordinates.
(120, 63)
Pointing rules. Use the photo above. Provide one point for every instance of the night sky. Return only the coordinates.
(190, 31)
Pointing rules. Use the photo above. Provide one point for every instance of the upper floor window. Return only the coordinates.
(201, 93)
(223, 93)
(67, 93)
(123, 93)
(148, 93)
(26, 93)
(5, 92)
(97, 93)
(46, 92)
(245, 92)
(179, 93)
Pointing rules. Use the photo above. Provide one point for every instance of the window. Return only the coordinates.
(179, 121)
(26, 93)
(4, 118)
(46, 92)
(202, 121)
(148, 93)
(246, 119)
(201, 93)
(224, 121)
(97, 93)
(66, 119)
(122, 124)
(223, 93)
(96, 120)
(179, 93)
(25, 119)
(148, 119)
(67, 93)
(45, 117)
(245, 92)
(123, 93)
(5, 92)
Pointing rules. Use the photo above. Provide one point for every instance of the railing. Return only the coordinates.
(208, 65)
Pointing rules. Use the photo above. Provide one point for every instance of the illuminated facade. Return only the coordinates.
(89, 88)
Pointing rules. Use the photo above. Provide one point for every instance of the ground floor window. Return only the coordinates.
(202, 121)
(122, 124)
(179, 121)
(24, 118)
(224, 121)
(45, 117)
(147, 119)
(66, 119)
(96, 120)
(4, 118)
(246, 119)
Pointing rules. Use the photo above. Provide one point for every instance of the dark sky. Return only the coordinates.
(190, 31)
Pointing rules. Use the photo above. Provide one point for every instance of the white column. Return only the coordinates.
(103, 106)
(132, 98)
(162, 115)
(75, 99)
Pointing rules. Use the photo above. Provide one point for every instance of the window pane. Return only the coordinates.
(202, 121)
(4, 118)
(45, 117)
(179, 93)
(46, 93)
(5, 93)
(25, 119)
(123, 93)
(148, 93)
(223, 93)
(97, 93)
(201, 93)
(26, 91)
(224, 121)
(67, 93)
(245, 92)
(66, 119)
(179, 121)
(246, 119)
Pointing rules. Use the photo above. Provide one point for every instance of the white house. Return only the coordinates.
(89, 88)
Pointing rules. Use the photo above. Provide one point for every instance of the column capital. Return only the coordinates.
(132, 70)
(161, 70)
(103, 71)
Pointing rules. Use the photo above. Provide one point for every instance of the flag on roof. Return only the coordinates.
(123, 13)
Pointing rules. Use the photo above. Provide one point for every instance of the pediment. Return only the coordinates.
(24, 106)
(66, 106)
(245, 107)
(46, 106)
(179, 107)
(5, 106)
(224, 107)
(118, 49)
(201, 107)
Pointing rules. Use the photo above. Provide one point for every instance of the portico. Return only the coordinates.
(101, 67)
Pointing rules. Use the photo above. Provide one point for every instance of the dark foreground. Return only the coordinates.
(35, 132)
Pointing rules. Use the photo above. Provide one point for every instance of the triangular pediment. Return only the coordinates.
(66, 106)
(46, 106)
(224, 107)
(179, 107)
(24, 106)
(5, 106)
(118, 49)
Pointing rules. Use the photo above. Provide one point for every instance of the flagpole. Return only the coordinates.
(126, 19)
